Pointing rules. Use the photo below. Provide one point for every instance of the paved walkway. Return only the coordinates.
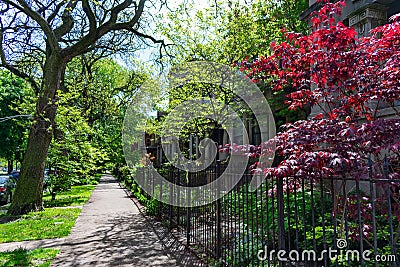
(111, 232)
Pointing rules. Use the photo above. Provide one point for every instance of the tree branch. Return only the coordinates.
(43, 7)
(68, 20)
(44, 25)
(89, 13)
(93, 35)
(14, 70)
(143, 35)
(116, 10)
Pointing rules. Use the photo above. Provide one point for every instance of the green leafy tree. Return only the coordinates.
(228, 32)
(37, 40)
(87, 134)
(103, 90)
(15, 99)
(72, 158)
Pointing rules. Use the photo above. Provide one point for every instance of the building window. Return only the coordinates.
(256, 135)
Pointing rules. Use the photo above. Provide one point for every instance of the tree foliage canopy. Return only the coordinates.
(15, 110)
(228, 31)
(37, 41)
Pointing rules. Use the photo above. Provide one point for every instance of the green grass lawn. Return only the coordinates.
(20, 257)
(77, 196)
(53, 222)
(50, 223)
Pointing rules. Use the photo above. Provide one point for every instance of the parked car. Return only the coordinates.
(15, 175)
(7, 186)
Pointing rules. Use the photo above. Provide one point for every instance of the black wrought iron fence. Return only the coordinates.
(339, 221)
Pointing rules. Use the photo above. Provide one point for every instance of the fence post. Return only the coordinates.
(178, 194)
(389, 196)
(171, 176)
(372, 189)
(160, 203)
(281, 216)
(360, 220)
(218, 207)
(188, 214)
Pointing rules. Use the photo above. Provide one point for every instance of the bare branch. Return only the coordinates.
(43, 7)
(90, 38)
(55, 12)
(14, 70)
(68, 20)
(89, 13)
(44, 25)
(117, 9)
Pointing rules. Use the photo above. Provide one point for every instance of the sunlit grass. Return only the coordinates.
(50, 223)
(77, 196)
(39, 257)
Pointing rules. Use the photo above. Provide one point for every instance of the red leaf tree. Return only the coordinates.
(348, 81)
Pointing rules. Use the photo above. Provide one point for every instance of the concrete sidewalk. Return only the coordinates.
(110, 231)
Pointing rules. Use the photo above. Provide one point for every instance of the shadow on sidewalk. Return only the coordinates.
(176, 249)
(121, 241)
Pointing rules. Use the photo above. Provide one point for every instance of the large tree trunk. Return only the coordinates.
(28, 193)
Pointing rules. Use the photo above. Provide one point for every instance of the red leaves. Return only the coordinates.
(335, 66)
(319, 147)
(315, 21)
(333, 115)
(348, 78)
(319, 116)
(395, 17)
